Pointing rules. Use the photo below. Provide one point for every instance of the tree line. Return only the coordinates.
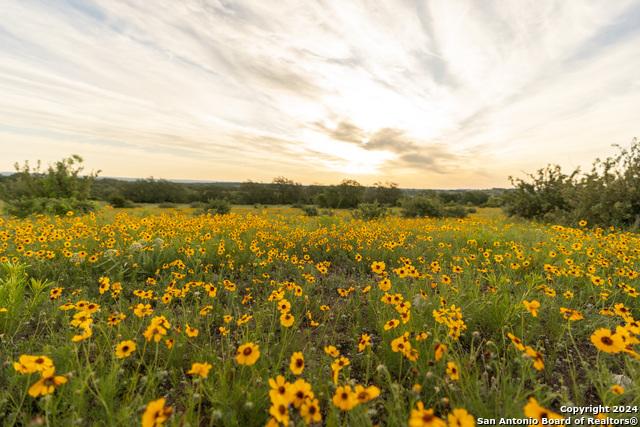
(608, 195)
(61, 188)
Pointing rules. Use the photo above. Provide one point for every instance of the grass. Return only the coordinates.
(465, 282)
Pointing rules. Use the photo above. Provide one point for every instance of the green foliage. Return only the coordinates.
(386, 194)
(369, 211)
(19, 294)
(152, 190)
(456, 211)
(117, 200)
(494, 202)
(321, 200)
(347, 194)
(46, 206)
(286, 191)
(311, 210)
(57, 190)
(422, 206)
(607, 196)
(256, 192)
(13, 285)
(610, 193)
(217, 206)
(60, 181)
(475, 198)
(545, 195)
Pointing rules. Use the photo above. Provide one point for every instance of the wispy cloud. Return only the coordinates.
(429, 94)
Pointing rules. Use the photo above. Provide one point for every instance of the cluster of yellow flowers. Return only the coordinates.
(48, 382)
(624, 337)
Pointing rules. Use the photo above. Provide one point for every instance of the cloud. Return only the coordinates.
(449, 90)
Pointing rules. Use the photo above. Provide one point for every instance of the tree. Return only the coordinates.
(348, 194)
(287, 191)
(386, 193)
(256, 192)
(151, 190)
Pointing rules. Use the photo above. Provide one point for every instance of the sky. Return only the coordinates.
(439, 94)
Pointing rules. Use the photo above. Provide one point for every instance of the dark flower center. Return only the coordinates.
(607, 341)
(247, 351)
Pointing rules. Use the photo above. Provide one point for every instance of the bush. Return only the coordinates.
(217, 206)
(494, 202)
(546, 194)
(369, 211)
(607, 196)
(311, 210)
(56, 191)
(118, 201)
(45, 206)
(456, 211)
(421, 206)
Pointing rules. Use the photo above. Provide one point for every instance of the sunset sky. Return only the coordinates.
(428, 94)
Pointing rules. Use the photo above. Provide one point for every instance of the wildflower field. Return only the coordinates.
(264, 316)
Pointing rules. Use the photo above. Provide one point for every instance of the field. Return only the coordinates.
(264, 316)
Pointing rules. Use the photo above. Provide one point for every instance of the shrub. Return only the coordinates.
(421, 206)
(57, 190)
(545, 195)
(456, 211)
(369, 211)
(310, 210)
(494, 202)
(217, 206)
(117, 200)
(26, 206)
(60, 181)
(607, 196)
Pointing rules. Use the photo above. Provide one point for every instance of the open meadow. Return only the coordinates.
(266, 316)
